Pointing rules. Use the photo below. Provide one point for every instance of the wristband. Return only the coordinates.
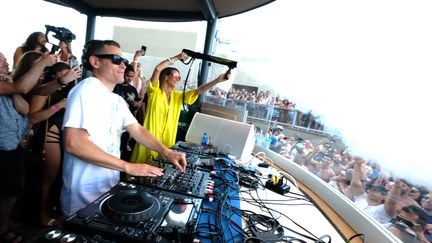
(54, 108)
(171, 61)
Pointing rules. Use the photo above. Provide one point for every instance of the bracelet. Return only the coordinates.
(60, 82)
(171, 61)
(54, 108)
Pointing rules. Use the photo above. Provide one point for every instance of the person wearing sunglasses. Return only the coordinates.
(409, 225)
(164, 105)
(94, 120)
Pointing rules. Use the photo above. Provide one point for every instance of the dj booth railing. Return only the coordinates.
(346, 210)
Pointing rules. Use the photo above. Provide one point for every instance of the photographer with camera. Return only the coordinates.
(65, 37)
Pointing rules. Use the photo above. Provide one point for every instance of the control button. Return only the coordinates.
(53, 234)
(68, 238)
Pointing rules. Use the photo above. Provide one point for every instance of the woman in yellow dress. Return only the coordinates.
(164, 105)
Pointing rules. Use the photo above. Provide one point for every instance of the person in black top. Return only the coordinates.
(130, 95)
(127, 91)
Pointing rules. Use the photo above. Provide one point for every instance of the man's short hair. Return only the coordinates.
(94, 47)
(129, 68)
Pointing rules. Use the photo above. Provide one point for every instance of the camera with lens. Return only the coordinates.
(61, 33)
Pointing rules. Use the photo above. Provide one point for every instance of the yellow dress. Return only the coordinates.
(161, 119)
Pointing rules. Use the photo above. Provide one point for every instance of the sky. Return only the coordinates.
(363, 66)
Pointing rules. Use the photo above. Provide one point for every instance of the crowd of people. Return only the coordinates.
(78, 133)
(262, 105)
(115, 122)
(401, 206)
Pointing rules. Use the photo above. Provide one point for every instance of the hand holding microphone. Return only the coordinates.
(227, 74)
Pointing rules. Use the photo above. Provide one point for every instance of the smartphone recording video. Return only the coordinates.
(143, 48)
(52, 47)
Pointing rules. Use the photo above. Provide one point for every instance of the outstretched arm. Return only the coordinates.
(392, 197)
(164, 64)
(144, 137)
(356, 187)
(39, 113)
(24, 84)
(77, 142)
(48, 88)
(221, 78)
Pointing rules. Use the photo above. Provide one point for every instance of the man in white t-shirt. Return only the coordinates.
(94, 121)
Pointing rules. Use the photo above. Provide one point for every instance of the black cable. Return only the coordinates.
(360, 235)
(186, 80)
(323, 237)
(262, 205)
(227, 180)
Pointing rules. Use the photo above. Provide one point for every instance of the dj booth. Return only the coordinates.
(216, 199)
(199, 205)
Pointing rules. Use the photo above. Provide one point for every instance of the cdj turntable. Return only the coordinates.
(194, 148)
(131, 213)
(192, 160)
(58, 235)
(192, 182)
(206, 154)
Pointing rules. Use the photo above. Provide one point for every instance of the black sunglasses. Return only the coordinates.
(115, 59)
(408, 223)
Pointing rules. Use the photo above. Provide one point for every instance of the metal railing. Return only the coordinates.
(270, 113)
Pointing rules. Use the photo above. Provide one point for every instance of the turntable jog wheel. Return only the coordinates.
(130, 206)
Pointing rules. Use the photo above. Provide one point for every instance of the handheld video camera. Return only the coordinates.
(61, 34)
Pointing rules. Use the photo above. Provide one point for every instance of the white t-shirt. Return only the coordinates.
(377, 212)
(104, 115)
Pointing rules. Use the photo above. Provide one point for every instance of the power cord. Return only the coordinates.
(290, 177)
(360, 235)
(263, 227)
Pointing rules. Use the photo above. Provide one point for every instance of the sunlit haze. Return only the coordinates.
(363, 66)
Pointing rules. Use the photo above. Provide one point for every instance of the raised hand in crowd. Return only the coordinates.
(30, 78)
(72, 75)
